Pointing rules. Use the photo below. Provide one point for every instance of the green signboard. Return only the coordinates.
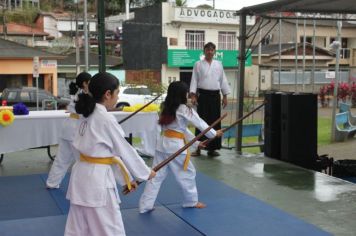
(187, 58)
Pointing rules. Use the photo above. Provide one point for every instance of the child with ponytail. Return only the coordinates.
(105, 157)
(66, 154)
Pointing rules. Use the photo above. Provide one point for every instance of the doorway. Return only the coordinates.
(186, 76)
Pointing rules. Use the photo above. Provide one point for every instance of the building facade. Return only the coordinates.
(17, 67)
(183, 33)
(63, 24)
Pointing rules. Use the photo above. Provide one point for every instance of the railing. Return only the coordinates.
(321, 77)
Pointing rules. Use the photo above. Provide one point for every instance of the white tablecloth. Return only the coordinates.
(42, 128)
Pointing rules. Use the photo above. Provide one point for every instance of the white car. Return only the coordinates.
(137, 94)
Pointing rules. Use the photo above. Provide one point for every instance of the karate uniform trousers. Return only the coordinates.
(185, 179)
(167, 146)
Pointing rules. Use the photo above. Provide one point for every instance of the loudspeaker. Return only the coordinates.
(299, 129)
(272, 129)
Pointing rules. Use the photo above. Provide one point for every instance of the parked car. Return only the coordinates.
(27, 95)
(137, 94)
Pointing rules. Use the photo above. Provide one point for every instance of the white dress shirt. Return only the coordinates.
(209, 77)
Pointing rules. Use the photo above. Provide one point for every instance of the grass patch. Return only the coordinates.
(324, 131)
(324, 135)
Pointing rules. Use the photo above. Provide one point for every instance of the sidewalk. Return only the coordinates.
(340, 150)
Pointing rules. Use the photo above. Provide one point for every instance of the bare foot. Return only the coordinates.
(200, 205)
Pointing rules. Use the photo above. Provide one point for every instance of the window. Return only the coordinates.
(80, 26)
(227, 41)
(43, 95)
(145, 91)
(130, 91)
(307, 39)
(138, 91)
(194, 39)
(25, 96)
(12, 96)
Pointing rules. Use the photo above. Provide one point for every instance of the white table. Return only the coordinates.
(43, 128)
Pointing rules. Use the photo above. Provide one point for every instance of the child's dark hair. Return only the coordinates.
(99, 84)
(79, 80)
(176, 95)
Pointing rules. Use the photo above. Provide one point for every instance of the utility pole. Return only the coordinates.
(279, 51)
(101, 34)
(313, 68)
(241, 79)
(296, 57)
(127, 9)
(336, 45)
(304, 41)
(77, 50)
(86, 44)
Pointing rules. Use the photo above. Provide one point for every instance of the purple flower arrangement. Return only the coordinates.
(20, 109)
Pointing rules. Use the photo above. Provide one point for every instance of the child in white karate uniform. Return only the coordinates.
(105, 156)
(67, 154)
(174, 120)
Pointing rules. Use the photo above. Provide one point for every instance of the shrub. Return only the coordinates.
(345, 91)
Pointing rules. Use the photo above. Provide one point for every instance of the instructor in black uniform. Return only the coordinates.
(208, 80)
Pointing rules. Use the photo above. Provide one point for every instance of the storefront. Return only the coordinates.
(17, 67)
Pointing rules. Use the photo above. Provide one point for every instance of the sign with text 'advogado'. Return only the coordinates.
(199, 15)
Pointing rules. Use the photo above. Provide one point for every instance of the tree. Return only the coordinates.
(181, 3)
(205, 6)
(145, 3)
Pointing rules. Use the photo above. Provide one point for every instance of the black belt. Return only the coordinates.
(209, 92)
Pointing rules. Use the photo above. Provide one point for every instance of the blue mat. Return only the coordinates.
(244, 215)
(59, 195)
(159, 222)
(229, 211)
(170, 192)
(129, 201)
(350, 179)
(41, 226)
(25, 197)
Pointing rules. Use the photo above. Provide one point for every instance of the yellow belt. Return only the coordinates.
(108, 161)
(74, 116)
(175, 134)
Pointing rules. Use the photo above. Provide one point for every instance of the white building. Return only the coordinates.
(188, 29)
(64, 23)
(184, 33)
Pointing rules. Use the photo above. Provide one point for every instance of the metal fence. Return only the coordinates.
(320, 77)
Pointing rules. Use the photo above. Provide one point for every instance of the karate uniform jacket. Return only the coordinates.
(100, 135)
(184, 116)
